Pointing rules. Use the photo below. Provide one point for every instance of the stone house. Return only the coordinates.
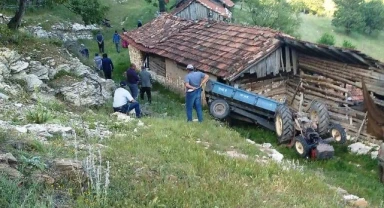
(219, 10)
(263, 61)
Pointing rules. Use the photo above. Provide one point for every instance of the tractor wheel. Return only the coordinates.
(338, 133)
(318, 113)
(219, 109)
(381, 173)
(301, 146)
(284, 124)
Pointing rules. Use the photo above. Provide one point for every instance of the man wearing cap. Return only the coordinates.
(193, 82)
(123, 101)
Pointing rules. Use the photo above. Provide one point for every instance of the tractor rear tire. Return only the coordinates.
(219, 109)
(338, 133)
(381, 173)
(284, 125)
(318, 112)
(301, 146)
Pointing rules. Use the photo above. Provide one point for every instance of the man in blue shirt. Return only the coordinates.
(100, 41)
(133, 79)
(193, 82)
(116, 41)
(107, 66)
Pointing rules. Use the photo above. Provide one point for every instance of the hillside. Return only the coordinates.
(157, 161)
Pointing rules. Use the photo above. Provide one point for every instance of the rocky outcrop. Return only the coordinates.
(65, 31)
(85, 89)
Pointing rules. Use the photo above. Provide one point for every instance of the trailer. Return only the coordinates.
(304, 129)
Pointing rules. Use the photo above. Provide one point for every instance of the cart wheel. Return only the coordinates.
(318, 113)
(338, 133)
(381, 173)
(301, 146)
(284, 124)
(219, 109)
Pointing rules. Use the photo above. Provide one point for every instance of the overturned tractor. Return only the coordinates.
(304, 130)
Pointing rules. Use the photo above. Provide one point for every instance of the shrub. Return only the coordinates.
(39, 115)
(327, 39)
(347, 44)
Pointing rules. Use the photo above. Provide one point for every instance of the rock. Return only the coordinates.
(42, 178)
(276, 156)
(3, 96)
(21, 129)
(33, 82)
(360, 203)
(65, 165)
(8, 56)
(359, 148)
(140, 123)
(8, 158)
(374, 154)
(78, 27)
(18, 66)
(267, 145)
(350, 197)
(122, 116)
(9, 171)
(4, 71)
(39, 70)
(19, 105)
(49, 128)
(341, 191)
(235, 154)
(250, 141)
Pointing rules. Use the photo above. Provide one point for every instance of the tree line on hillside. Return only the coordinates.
(91, 11)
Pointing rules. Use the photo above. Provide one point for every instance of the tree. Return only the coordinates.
(161, 4)
(310, 6)
(91, 11)
(349, 15)
(327, 39)
(276, 14)
(373, 12)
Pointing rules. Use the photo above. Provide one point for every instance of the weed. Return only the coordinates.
(39, 115)
(348, 44)
(327, 39)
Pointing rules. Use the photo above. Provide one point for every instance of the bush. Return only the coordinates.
(347, 44)
(327, 39)
(39, 115)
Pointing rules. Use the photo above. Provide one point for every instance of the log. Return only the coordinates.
(307, 78)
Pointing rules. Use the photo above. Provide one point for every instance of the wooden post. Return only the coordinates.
(361, 126)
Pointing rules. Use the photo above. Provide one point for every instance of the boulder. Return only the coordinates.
(9, 171)
(8, 56)
(359, 148)
(41, 71)
(18, 66)
(42, 178)
(33, 82)
(8, 158)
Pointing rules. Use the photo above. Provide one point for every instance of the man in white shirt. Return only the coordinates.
(123, 101)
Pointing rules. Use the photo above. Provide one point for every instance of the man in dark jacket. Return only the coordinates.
(107, 66)
(100, 42)
(133, 79)
(146, 83)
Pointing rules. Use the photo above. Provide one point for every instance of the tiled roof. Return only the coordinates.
(221, 49)
(216, 7)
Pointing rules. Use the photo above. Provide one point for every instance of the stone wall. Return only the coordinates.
(135, 56)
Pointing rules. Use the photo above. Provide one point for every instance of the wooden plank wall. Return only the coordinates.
(196, 11)
(157, 65)
(332, 82)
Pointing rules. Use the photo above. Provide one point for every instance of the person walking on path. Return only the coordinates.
(116, 41)
(100, 41)
(123, 101)
(133, 79)
(98, 61)
(146, 84)
(107, 66)
(193, 82)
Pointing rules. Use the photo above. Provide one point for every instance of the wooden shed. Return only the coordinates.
(219, 10)
(263, 61)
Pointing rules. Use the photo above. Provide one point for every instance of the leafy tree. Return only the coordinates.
(347, 44)
(310, 6)
(161, 4)
(276, 14)
(91, 11)
(373, 12)
(349, 15)
(327, 39)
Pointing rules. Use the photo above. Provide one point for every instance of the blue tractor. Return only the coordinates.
(303, 130)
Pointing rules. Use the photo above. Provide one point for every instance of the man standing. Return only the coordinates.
(123, 102)
(116, 41)
(146, 84)
(100, 41)
(107, 66)
(193, 82)
(133, 80)
(98, 62)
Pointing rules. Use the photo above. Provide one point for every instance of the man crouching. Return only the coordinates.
(123, 101)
